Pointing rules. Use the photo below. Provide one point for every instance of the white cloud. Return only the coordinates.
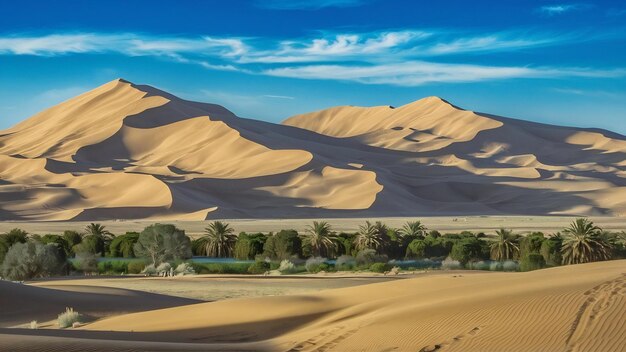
(558, 9)
(400, 57)
(278, 96)
(420, 72)
(307, 4)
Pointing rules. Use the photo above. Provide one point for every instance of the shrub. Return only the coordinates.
(220, 268)
(113, 267)
(259, 267)
(164, 269)
(32, 259)
(68, 318)
(345, 262)
(34, 325)
(510, 265)
(136, 266)
(184, 269)
(286, 267)
(159, 243)
(480, 265)
(314, 264)
(367, 257)
(86, 262)
(149, 270)
(532, 261)
(551, 250)
(379, 267)
(450, 264)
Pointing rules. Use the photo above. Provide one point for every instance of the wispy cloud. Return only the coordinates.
(590, 93)
(420, 72)
(278, 96)
(307, 4)
(559, 9)
(406, 57)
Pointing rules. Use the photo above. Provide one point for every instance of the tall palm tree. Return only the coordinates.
(413, 229)
(584, 243)
(219, 240)
(504, 247)
(320, 237)
(369, 236)
(98, 230)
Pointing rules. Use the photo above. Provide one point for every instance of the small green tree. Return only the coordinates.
(93, 244)
(469, 249)
(162, 242)
(249, 245)
(283, 245)
(123, 245)
(72, 238)
(551, 250)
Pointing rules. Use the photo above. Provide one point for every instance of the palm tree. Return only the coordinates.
(320, 237)
(99, 231)
(369, 236)
(504, 247)
(413, 229)
(584, 243)
(219, 240)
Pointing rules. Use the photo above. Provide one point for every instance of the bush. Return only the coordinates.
(367, 257)
(481, 265)
(34, 325)
(509, 265)
(113, 267)
(283, 245)
(532, 262)
(87, 262)
(220, 268)
(259, 267)
(315, 264)
(286, 267)
(149, 270)
(450, 264)
(136, 266)
(68, 318)
(32, 259)
(184, 269)
(345, 262)
(164, 269)
(379, 267)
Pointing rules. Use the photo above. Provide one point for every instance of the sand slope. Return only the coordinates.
(132, 151)
(573, 308)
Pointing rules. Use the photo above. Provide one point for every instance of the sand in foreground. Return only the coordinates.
(573, 308)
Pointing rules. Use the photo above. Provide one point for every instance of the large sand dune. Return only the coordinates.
(572, 308)
(131, 151)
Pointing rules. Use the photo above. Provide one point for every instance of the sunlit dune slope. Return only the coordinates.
(125, 151)
(573, 308)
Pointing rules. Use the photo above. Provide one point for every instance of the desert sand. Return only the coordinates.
(571, 308)
(486, 224)
(127, 151)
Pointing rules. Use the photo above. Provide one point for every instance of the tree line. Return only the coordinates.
(24, 256)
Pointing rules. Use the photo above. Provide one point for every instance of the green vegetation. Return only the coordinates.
(159, 243)
(219, 240)
(375, 247)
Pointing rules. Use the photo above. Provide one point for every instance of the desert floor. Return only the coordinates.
(547, 224)
(570, 308)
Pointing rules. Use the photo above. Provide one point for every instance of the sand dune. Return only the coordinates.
(127, 151)
(573, 308)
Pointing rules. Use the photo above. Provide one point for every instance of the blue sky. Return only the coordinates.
(553, 62)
